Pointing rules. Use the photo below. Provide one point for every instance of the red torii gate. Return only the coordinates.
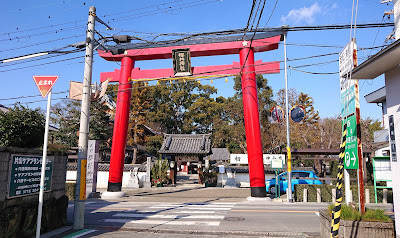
(247, 68)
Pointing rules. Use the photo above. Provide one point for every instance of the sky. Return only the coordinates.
(41, 26)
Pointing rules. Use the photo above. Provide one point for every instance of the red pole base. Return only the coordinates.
(114, 187)
(258, 192)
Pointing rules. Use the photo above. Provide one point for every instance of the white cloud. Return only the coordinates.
(304, 14)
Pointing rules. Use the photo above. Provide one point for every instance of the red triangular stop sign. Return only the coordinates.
(45, 83)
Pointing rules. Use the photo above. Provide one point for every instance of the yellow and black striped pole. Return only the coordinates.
(339, 184)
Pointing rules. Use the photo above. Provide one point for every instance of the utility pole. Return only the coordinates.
(289, 154)
(80, 190)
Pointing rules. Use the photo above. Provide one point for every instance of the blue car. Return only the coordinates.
(298, 177)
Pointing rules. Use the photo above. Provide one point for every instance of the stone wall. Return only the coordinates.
(18, 215)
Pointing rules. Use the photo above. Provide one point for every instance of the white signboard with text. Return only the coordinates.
(267, 158)
(347, 60)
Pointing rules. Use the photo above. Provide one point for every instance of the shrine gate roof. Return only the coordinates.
(186, 144)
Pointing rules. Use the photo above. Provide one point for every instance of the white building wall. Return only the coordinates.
(392, 82)
(382, 151)
(102, 178)
(242, 179)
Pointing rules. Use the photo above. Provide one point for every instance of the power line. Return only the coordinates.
(31, 96)
(307, 72)
(52, 62)
(83, 20)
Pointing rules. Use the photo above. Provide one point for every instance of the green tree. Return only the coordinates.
(306, 130)
(230, 130)
(153, 144)
(66, 116)
(329, 133)
(311, 116)
(140, 105)
(22, 127)
(172, 107)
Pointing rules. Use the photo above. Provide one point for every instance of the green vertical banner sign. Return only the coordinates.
(351, 149)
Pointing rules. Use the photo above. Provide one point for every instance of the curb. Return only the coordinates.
(56, 232)
(219, 233)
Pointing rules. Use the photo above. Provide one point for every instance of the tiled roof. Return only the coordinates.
(185, 144)
(3, 108)
(219, 154)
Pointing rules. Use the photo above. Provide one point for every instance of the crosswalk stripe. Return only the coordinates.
(194, 208)
(80, 233)
(133, 215)
(209, 208)
(165, 222)
(191, 205)
(172, 211)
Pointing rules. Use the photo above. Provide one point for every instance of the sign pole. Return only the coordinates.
(347, 190)
(361, 189)
(289, 155)
(41, 191)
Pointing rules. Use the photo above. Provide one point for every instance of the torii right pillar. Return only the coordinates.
(252, 123)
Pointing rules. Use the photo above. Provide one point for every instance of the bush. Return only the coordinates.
(21, 127)
(70, 191)
(210, 177)
(351, 213)
(326, 193)
(159, 172)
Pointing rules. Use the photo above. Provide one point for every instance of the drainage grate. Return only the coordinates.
(234, 218)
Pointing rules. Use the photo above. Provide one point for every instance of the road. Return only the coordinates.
(207, 212)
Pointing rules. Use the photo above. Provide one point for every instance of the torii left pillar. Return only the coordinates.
(120, 125)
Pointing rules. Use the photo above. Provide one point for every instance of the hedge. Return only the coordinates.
(326, 193)
(70, 191)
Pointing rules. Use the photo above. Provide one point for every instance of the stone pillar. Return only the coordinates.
(385, 194)
(318, 195)
(92, 168)
(147, 183)
(305, 191)
(333, 194)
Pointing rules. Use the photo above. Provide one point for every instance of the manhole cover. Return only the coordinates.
(234, 218)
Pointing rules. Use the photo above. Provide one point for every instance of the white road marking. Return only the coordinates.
(191, 205)
(80, 234)
(171, 211)
(135, 215)
(86, 203)
(210, 208)
(164, 222)
(194, 208)
(194, 212)
(317, 213)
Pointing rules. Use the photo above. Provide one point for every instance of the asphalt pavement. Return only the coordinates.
(194, 211)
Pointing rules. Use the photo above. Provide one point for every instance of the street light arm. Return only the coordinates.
(24, 57)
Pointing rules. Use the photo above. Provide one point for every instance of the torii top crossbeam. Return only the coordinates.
(198, 47)
(206, 47)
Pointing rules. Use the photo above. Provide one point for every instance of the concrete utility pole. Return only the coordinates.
(289, 155)
(396, 12)
(80, 190)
